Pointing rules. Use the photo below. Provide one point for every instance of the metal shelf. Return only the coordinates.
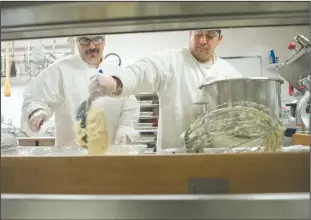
(149, 99)
(149, 105)
(148, 117)
(146, 95)
(245, 206)
(60, 19)
(153, 130)
(145, 142)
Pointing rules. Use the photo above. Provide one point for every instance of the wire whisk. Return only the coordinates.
(244, 126)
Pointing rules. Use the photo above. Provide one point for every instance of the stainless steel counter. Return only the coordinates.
(36, 141)
(60, 19)
(249, 206)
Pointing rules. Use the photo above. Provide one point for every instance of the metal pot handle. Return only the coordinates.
(205, 107)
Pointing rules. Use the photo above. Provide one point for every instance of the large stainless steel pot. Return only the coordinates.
(297, 67)
(261, 90)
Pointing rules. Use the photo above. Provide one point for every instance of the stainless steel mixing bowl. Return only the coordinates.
(261, 90)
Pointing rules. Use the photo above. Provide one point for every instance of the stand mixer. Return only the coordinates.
(296, 71)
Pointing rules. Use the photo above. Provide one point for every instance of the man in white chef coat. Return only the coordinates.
(175, 76)
(62, 86)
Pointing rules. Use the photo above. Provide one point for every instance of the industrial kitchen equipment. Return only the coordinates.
(236, 174)
(243, 113)
(296, 70)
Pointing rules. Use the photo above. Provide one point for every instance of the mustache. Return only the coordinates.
(204, 48)
(94, 50)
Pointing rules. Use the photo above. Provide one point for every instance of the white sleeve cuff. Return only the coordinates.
(126, 77)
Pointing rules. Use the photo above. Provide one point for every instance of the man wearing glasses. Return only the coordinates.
(62, 86)
(175, 76)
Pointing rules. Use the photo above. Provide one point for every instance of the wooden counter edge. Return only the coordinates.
(155, 174)
(301, 139)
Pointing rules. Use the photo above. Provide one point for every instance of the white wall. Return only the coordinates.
(131, 47)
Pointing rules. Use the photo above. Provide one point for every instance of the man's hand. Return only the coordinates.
(121, 139)
(102, 85)
(38, 117)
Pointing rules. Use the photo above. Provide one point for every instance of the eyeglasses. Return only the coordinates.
(84, 41)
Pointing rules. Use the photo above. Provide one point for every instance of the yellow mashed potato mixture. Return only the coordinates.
(91, 127)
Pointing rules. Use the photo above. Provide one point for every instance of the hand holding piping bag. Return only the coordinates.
(101, 85)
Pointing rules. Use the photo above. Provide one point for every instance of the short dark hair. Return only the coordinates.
(217, 30)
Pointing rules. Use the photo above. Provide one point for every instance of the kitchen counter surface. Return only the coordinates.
(36, 141)
(35, 138)
(157, 174)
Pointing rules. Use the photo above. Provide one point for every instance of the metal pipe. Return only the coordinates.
(247, 206)
(73, 18)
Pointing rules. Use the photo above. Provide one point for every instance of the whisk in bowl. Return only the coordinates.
(242, 126)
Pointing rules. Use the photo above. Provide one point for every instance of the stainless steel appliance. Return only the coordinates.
(255, 206)
(296, 70)
(26, 21)
(261, 90)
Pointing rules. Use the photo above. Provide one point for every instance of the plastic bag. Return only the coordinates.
(91, 127)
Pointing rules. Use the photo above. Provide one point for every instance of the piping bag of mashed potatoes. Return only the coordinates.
(91, 126)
